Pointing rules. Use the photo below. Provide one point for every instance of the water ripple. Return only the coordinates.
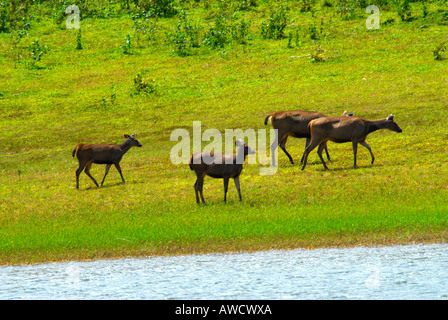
(395, 272)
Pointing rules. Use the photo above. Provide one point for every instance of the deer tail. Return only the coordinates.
(268, 118)
(74, 151)
(191, 161)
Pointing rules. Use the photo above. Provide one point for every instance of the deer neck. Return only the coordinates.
(375, 125)
(241, 155)
(125, 146)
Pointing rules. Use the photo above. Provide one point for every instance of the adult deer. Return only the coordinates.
(345, 129)
(293, 124)
(219, 166)
(108, 154)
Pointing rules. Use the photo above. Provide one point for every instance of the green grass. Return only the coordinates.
(47, 111)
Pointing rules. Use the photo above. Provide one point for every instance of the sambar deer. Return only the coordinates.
(108, 154)
(224, 166)
(295, 124)
(345, 129)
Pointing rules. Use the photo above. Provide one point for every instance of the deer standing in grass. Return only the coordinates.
(345, 129)
(108, 154)
(294, 124)
(219, 166)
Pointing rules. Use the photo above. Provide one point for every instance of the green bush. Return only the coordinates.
(217, 35)
(244, 4)
(275, 26)
(240, 31)
(185, 35)
(126, 46)
(37, 51)
(404, 9)
(144, 27)
(143, 86)
(439, 51)
(79, 40)
(158, 8)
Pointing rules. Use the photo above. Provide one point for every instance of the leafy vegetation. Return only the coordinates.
(210, 61)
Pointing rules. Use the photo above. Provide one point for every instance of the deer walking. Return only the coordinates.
(219, 166)
(108, 154)
(345, 129)
(294, 124)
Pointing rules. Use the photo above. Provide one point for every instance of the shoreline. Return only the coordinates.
(110, 255)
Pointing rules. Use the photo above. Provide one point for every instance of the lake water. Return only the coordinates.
(393, 272)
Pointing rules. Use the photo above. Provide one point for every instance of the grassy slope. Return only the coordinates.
(45, 112)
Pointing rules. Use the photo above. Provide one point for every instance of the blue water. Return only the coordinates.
(393, 272)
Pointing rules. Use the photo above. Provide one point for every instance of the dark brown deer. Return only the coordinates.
(345, 129)
(219, 166)
(294, 124)
(108, 154)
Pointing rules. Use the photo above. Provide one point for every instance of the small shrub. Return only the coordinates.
(306, 5)
(158, 8)
(143, 86)
(185, 35)
(274, 28)
(404, 10)
(290, 40)
(314, 34)
(14, 15)
(298, 41)
(347, 8)
(327, 3)
(217, 35)
(244, 4)
(179, 40)
(318, 56)
(126, 46)
(144, 27)
(439, 51)
(37, 51)
(241, 32)
(78, 40)
(17, 38)
(424, 9)
(4, 17)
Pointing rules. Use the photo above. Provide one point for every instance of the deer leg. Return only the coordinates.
(105, 174)
(201, 185)
(196, 190)
(274, 145)
(226, 184)
(307, 143)
(365, 144)
(282, 146)
(117, 165)
(78, 172)
(322, 146)
(326, 151)
(355, 150)
(237, 185)
(87, 171)
(313, 144)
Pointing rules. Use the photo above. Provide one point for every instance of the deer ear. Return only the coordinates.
(390, 117)
(239, 142)
(126, 135)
